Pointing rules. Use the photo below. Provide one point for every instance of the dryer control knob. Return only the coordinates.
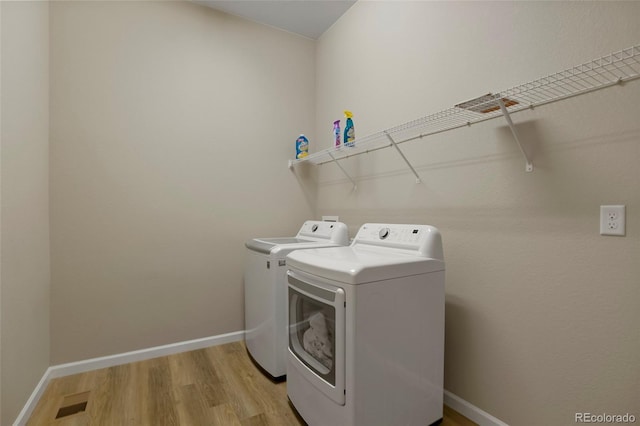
(384, 233)
(314, 228)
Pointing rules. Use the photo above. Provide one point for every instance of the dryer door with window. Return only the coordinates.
(316, 333)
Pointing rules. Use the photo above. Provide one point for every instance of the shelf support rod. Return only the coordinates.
(395, 145)
(353, 182)
(529, 164)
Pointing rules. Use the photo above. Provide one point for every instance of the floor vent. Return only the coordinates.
(73, 404)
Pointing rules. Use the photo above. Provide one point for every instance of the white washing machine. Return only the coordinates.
(265, 289)
(366, 329)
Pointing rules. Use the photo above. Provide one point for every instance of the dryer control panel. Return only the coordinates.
(420, 240)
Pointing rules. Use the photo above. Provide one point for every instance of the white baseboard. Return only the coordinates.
(142, 354)
(118, 359)
(470, 411)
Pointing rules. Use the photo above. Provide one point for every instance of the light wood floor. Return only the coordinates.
(219, 385)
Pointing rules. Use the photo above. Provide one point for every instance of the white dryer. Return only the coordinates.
(265, 289)
(366, 329)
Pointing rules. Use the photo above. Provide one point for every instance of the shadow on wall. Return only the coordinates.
(307, 176)
(459, 341)
(465, 340)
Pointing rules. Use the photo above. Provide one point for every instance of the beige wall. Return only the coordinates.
(24, 242)
(542, 312)
(171, 127)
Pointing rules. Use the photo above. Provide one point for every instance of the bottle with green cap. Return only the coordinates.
(349, 131)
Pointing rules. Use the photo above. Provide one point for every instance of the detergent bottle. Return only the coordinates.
(302, 147)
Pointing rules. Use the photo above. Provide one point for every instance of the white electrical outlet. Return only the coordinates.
(612, 220)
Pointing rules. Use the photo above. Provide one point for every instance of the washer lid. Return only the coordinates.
(312, 234)
(358, 265)
(283, 246)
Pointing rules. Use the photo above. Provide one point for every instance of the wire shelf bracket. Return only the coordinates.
(492, 103)
(528, 162)
(353, 182)
(395, 145)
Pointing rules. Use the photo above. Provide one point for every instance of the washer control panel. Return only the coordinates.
(420, 239)
(318, 230)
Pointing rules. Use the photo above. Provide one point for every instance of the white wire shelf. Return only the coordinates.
(610, 70)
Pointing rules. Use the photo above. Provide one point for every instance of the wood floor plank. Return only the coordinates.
(241, 400)
(259, 420)
(208, 378)
(219, 385)
(107, 398)
(223, 415)
(162, 406)
(191, 406)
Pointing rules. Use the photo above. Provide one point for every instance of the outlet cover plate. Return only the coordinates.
(612, 220)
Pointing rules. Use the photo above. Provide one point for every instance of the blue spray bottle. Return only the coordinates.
(349, 131)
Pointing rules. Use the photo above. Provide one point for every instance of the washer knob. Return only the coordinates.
(384, 233)
(314, 228)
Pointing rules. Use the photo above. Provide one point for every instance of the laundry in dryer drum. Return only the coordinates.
(316, 340)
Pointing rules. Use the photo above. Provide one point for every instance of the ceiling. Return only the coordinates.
(309, 18)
